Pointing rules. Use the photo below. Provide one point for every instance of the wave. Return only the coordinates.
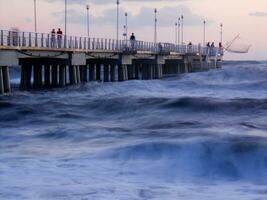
(217, 158)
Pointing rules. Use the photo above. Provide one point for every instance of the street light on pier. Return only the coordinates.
(35, 17)
(88, 22)
(126, 25)
(118, 7)
(204, 33)
(66, 4)
(179, 30)
(155, 31)
(221, 33)
(176, 32)
(182, 29)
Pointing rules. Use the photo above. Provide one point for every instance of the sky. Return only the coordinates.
(245, 17)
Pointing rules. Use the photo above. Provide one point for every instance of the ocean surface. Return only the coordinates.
(199, 136)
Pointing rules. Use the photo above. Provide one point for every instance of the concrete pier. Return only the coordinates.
(43, 66)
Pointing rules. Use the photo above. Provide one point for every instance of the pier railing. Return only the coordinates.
(54, 41)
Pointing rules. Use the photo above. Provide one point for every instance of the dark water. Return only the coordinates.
(200, 136)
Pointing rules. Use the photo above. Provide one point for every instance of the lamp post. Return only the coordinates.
(126, 25)
(221, 33)
(118, 7)
(204, 33)
(182, 29)
(176, 32)
(88, 22)
(179, 30)
(66, 16)
(155, 31)
(35, 17)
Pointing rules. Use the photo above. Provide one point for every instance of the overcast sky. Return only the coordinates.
(247, 17)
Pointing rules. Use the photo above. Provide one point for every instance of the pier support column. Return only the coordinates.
(113, 73)
(98, 72)
(6, 79)
(106, 73)
(137, 71)
(55, 75)
(130, 69)
(121, 72)
(47, 75)
(78, 74)
(92, 75)
(84, 74)
(62, 76)
(37, 76)
(1, 81)
(72, 75)
(125, 72)
(26, 75)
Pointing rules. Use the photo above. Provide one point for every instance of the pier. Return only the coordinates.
(48, 62)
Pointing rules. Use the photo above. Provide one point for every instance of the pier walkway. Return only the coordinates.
(49, 61)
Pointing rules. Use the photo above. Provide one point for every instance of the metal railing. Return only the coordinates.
(53, 41)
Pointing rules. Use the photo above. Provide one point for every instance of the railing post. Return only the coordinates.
(70, 42)
(89, 43)
(109, 44)
(84, 43)
(36, 40)
(106, 43)
(75, 43)
(2, 37)
(97, 43)
(93, 44)
(8, 38)
(102, 44)
(30, 39)
(65, 42)
(42, 40)
(80, 43)
(23, 39)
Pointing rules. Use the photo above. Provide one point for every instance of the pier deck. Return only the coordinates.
(48, 62)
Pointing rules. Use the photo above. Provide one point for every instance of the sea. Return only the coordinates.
(197, 136)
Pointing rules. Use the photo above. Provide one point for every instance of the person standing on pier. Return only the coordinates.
(132, 40)
(53, 38)
(59, 38)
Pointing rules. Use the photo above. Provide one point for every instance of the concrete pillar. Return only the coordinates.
(78, 74)
(92, 74)
(125, 72)
(62, 75)
(186, 67)
(1, 81)
(26, 76)
(98, 72)
(6, 79)
(130, 70)
(37, 76)
(72, 75)
(121, 72)
(84, 74)
(55, 75)
(113, 73)
(106, 73)
(137, 71)
(47, 75)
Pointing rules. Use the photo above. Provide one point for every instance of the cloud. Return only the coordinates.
(258, 14)
(167, 16)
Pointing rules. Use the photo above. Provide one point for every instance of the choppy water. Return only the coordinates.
(200, 136)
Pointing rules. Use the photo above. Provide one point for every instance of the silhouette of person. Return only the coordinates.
(132, 41)
(59, 37)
